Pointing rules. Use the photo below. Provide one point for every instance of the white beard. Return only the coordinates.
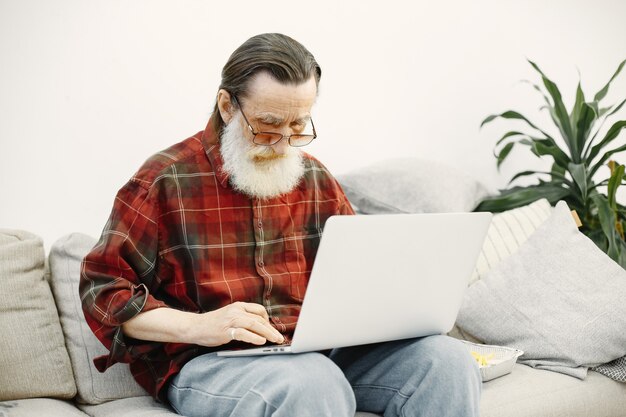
(257, 170)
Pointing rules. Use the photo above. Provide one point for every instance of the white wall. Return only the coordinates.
(90, 89)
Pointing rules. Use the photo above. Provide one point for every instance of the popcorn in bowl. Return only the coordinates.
(493, 361)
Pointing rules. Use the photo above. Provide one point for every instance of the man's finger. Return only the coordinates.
(257, 309)
(244, 335)
(256, 325)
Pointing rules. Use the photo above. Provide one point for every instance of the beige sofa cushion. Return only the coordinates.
(33, 358)
(538, 393)
(527, 392)
(44, 407)
(130, 407)
(94, 387)
(144, 407)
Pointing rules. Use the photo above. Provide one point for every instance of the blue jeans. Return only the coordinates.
(430, 376)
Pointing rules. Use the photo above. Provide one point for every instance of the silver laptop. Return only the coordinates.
(385, 277)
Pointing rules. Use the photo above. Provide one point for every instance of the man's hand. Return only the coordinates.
(246, 322)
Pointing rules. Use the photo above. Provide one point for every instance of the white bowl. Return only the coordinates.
(501, 363)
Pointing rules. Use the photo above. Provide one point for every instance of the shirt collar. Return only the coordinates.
(211, 144)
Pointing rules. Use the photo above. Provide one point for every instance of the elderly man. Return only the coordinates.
(209, 246)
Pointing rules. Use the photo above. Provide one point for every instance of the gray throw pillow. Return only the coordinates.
(558, 298)
(33, 358)
(411, 185)
(93, 387)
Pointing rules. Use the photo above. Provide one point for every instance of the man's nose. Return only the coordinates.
(281, 147)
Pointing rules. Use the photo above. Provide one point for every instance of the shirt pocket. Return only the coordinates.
(300, 250)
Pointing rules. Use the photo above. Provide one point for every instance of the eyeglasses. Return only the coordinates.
(272, 138)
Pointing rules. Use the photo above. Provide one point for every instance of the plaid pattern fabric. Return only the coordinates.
(179, 236)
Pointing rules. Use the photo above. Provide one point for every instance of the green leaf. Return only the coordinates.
(616, 108)
(521, 196)
(607, 222)
(546, 146)
(604, 158)
(601, 114)
(524, 174)
(561, 117)
(508, 135)
(557, 169)
(614, 182)
(598, 237)
(510, 114)
(557, 123)
(578, 105)
(622, 254)
(584, 123)
(602, 93)
(553, 174)
(505, 152)
(550, 107)
(602, 111)
(579, 174)
(612, 133)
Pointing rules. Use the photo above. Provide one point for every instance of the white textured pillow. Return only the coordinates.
(33, 358)
(411, 185)
(508, 230)
(93, 387)
(559, 298)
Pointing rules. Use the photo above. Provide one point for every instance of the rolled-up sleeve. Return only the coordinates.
(118, 273)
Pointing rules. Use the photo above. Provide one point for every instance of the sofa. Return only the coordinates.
(47, 348)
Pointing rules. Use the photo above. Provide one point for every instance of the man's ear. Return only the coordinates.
(225, 105)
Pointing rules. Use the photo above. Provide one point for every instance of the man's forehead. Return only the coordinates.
(270, 97)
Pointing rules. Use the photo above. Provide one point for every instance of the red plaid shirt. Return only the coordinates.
(179, 236)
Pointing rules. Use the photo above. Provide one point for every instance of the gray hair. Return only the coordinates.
(284, 58)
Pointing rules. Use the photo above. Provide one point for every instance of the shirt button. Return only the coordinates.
(260, 224)
(261, 264)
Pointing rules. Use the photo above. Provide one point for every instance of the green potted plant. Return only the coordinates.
(576, 155)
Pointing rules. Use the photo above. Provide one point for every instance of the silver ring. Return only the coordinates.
(232, 333)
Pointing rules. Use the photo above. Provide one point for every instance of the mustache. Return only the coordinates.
(267, 155)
